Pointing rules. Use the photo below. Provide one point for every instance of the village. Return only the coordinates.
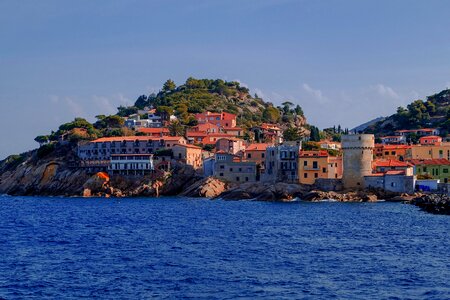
(216, 147)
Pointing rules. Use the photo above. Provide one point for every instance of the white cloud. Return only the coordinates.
(260, 94)
(75, 108)
(104, 104)
(317, 94)
(243, 84)
(385, 90)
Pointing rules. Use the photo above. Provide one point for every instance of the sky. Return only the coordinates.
(344, 61)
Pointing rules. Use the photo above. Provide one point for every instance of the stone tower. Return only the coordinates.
(358, 157)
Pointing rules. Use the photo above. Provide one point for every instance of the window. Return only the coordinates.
(316, 175)
(237, 178)
(315, 165)
(240, 169)
(324, 170)
(305, 163)
(444, 170)
(305, 175)
(246, 178)
(222, 167)
(221, 174)
(262, 155)
(249, 155)
(231, 169)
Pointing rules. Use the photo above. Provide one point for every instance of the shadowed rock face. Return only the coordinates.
(433, 203)
(50, 175)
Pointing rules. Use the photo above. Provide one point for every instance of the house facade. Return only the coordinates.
(282, 162)
(231, 168)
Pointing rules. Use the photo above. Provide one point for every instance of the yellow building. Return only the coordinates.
(188, 154)
(318, 164)
(429, 151)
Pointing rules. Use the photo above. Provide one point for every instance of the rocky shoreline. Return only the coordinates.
(53, 176)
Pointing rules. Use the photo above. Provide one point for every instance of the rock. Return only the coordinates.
(209, 187)
(433, 203)
(87, 193)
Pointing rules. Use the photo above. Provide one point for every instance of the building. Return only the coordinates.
(267, 133)
(392, 181)
(393, 139)
(100, 150)
(282, 162)
(155, 132)
(188, 154)
(330, 145)
(231, 168)
(205, 128)
(131, 164)
(419, 132)
(430, 140)
(357, 159)
(437, 151)
(206, 138)
(208, 166)
(385, 165)
(397, 152)
(257, 153)
(235, 131)
(318, 164)
(230, 145)
(222, 119)
(432, 169)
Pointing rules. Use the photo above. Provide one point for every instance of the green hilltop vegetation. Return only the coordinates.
(434, 112)
(184, 101)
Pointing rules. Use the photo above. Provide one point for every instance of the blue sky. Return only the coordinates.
(345, 62)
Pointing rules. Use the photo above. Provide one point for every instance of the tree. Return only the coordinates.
(287, 106)
(165, 112)
(315, 134)
(176, 129)
(271, 114)
(291, 134)
(299, 111)
(42, 139)
(141, 102)
(169, 85)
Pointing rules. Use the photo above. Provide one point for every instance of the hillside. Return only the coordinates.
(434, 112)
(200, 95)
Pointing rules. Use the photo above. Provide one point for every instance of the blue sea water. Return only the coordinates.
(196, 248)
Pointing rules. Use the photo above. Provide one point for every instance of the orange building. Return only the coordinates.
(318, 164)
(155, 132)
(188, 154)
(257, 154)
(430, 140)
(385, 165)
(396, 152)
(222, 119)
(230, 145)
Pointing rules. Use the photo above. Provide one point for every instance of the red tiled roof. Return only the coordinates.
(188, 146)
(154, 130)
(197, 133)
(414, 130)
(136, 138)
(428, 162)
(258, 147)
(390, 163)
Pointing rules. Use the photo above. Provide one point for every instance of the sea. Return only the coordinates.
(172, 247)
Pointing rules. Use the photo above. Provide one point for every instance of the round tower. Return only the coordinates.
(358, 157)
